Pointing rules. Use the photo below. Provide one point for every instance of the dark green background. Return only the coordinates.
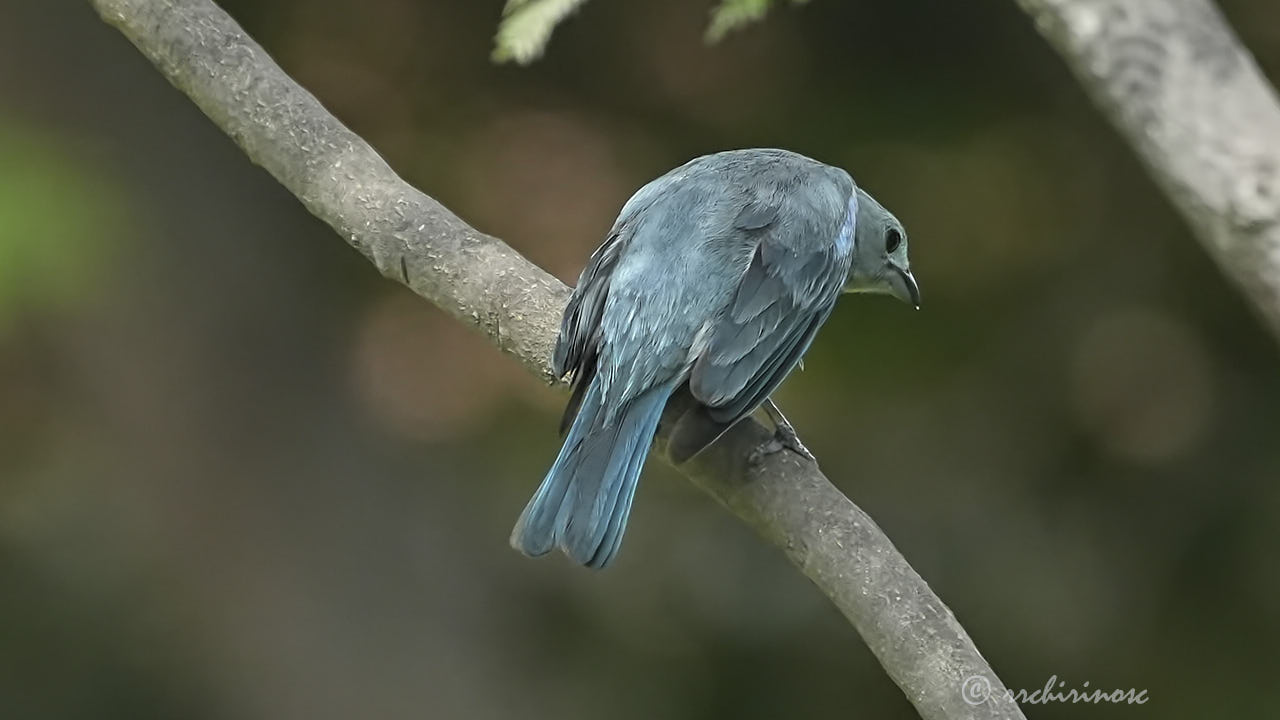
(241, 476)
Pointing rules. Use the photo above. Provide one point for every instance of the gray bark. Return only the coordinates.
(1178, 84)
(415, 240)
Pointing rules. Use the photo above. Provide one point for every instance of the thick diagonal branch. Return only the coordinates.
(1175, 80)
(413, 239)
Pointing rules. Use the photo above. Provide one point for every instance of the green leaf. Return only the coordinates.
(732, 15)
(526, 27)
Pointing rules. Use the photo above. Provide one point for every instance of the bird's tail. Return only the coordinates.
(585, 499)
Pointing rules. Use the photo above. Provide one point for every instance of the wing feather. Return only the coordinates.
(783, 298)
(578, 344)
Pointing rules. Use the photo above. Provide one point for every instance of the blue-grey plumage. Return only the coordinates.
(714, 280)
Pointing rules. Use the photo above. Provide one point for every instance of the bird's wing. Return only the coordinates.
(579, 340)
(787, 292)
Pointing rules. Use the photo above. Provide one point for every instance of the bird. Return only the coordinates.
(711, 284)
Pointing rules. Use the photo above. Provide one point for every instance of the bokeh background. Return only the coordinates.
(241, 476)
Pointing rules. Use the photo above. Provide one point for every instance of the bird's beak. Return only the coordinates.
(904, 287)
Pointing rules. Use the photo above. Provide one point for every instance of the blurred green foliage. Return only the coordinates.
(527, 25)
(59, 221)
(732, 15)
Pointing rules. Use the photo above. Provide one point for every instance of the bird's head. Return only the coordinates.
(880, 263)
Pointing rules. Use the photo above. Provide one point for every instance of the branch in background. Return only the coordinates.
(1189, 97)
(413, 239)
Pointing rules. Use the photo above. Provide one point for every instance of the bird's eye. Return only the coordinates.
(892, 241)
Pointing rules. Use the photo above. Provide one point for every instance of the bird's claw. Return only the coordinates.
(784, 438)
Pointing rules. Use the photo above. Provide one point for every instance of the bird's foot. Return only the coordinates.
(785, 435)
(784, 438)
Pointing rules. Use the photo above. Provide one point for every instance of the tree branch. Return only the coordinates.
(1175, 80)
(413, 239)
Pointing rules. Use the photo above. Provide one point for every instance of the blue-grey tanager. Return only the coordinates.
(713, 281)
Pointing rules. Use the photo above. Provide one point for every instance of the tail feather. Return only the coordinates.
(583, 503)
(618, 519)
